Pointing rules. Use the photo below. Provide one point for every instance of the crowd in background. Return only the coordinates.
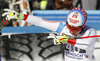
(45, 5)
(69, 4)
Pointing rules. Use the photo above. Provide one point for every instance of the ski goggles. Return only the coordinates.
(73, 28)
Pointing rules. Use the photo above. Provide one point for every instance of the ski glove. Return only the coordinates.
(58, 39)
(11, 14)
(63, 39)
(55, 38)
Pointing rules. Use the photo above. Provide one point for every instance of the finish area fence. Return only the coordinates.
(30, 43)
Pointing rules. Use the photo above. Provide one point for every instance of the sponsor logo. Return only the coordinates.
(51, 21)
(74, 55)
(73, 21)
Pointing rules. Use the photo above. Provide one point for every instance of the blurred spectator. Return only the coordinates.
(61, 4)
(47, 4)
(31, 5)
(36, 5)
(86, 4)
(50, 5)
(77, 3)
(43, 4)
(89, 4)
(98, 5)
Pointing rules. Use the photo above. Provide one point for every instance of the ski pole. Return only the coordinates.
(5, 22)
(82, 37)
(1, 26)
(88, 37)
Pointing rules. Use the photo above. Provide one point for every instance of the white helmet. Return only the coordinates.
(77, 17)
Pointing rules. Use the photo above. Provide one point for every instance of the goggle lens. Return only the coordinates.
(73, 28)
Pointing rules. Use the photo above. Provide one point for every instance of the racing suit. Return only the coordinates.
(75, 50)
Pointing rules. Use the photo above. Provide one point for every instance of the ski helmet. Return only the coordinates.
(76, 19)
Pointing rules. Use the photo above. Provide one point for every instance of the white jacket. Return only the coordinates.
(76, 50)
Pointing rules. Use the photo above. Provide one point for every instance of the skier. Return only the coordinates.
(75, 26)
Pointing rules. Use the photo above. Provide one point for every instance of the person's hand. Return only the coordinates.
(60, 39)
(63, 39)
(55, 38)
(11, 14)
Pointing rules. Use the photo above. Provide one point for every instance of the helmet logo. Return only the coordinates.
(75, 15)
(73, 21)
